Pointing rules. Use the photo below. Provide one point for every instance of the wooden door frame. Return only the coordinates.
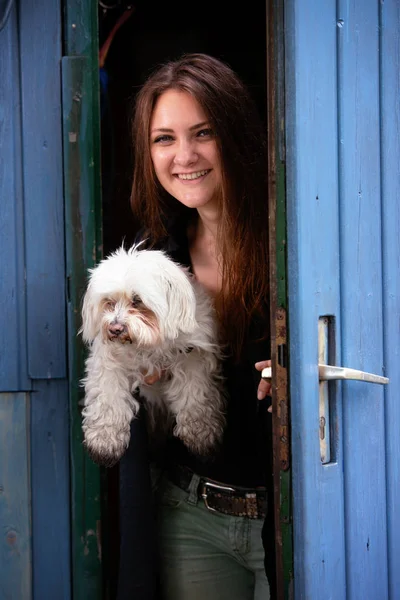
(82, 193)
(278, 300)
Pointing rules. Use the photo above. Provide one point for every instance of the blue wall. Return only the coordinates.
(34, 422)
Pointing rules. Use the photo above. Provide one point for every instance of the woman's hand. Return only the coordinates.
(150, 379)
(264, 388)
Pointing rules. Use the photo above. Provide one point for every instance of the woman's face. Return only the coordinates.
(184, 151)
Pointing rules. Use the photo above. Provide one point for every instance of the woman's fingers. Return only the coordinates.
(264, 387)
(263, 364)
(150, 379)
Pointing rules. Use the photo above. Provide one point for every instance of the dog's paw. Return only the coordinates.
(202, 436)
(105, 445)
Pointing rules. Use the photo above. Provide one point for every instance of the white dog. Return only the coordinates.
(144, 314)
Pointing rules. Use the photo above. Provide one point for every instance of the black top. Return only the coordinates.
(243, 458)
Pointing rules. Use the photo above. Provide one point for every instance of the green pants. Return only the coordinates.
(207, 555)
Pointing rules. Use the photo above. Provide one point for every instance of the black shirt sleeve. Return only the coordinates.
(137, 576)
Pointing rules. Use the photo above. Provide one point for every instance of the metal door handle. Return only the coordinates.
(329, 373)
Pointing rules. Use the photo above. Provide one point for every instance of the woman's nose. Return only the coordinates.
(185, 153)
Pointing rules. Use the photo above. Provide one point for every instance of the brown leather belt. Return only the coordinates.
(219, 497)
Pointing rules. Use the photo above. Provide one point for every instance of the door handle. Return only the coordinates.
(266, 374)
(327, 372)
(330, 373)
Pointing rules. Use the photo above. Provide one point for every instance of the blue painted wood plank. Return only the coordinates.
(390, 155)
(51, 546)
(13, 366)
(313, 268)
(361, 298)
(40, 47)
(15, 544)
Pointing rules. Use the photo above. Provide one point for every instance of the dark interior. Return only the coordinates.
(155, 33)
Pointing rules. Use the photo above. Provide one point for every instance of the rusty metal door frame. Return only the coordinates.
(278, 300)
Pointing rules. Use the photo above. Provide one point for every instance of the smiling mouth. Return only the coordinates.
(191, 176)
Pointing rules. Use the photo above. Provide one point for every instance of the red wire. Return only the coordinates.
(106, 46)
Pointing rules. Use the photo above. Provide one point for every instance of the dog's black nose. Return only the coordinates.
(116, 328)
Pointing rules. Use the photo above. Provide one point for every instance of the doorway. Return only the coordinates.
(140, 36)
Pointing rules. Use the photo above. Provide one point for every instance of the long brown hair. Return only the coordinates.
(243, 230)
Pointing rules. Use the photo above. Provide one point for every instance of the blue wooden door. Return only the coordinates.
(343, 190)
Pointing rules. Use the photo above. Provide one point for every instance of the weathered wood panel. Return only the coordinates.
(15, 516)
(390, 161)
(40, 51)
(34, 438)
(13, 369)
(313, 261)
(343, 169)
(361, 298)
(50, 490)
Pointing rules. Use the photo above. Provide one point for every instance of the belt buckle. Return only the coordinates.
(215, 486)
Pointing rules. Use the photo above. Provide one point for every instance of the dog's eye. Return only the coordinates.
(109, 305)
(136, 301)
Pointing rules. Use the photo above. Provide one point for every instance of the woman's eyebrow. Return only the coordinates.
(163, 129)
(168, 130)
(198, 125)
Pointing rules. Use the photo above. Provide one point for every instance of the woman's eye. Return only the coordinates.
(205, 133)
(163, 139)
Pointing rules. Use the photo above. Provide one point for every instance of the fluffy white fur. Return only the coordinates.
(143, 313)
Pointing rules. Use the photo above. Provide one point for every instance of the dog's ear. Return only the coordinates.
(90, 317)
(181, 311)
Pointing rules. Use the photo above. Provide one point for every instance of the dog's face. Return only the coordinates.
(138, 296)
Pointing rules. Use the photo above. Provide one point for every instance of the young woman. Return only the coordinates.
(200, 191)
